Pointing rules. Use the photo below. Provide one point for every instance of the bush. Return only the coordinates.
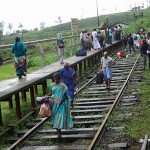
(32, 62)
(136, 26)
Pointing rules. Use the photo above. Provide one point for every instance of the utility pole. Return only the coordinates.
(97, 14)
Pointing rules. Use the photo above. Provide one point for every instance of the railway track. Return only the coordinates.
(92, 109)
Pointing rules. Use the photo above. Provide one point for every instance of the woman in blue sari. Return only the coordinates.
(19, 50)
(68, 76)
(61, 115)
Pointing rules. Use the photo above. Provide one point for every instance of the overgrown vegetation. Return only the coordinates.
(139, 24)
(139, 124)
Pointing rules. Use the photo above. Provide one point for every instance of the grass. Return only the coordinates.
(34, 63)
(7, 72)
(139, 124)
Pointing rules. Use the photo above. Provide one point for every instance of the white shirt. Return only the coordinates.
(81, 36)
(94, 34)
(148, 41)
(105, 61)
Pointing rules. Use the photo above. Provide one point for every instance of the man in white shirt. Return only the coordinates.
(82, 40)
(95, 40)
(106, 63)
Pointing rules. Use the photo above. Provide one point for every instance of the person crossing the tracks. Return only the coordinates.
(106, 63)
(145, 50)
(131, 43)
(61, 114)
(19, 50)
(68, 76)
(60, 47)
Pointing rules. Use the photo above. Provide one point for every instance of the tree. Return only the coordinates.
(60, 22)
(42, 25)
(21, 26)
(105, 24)
(10, 26)
(35, 29)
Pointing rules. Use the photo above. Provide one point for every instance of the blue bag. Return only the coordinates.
(81, 53)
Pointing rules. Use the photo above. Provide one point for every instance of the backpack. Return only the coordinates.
(99, 77)
(60, 42)
(81, 53)
(135, 38)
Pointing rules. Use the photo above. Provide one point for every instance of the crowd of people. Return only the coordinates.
(63, 87)
(138, 41)
(99, 37)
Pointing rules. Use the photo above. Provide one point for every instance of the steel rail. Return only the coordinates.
(32, 131)
(11, 127)
(145, 143)
(100, 131)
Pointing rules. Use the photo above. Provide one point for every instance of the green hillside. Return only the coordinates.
(88, 23)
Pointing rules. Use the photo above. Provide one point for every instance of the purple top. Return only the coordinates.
(68, 77)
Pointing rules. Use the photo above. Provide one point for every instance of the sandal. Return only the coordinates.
(24, 74)
(72, 106)
(19, 77)
(59, 138)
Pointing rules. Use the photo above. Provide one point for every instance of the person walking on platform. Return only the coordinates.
(144, 52)
(110, 33)
(19, 50)
(60, 47)
(61, 114)
(68, 76)
(82, 40)
(106, 63)
(95, 40)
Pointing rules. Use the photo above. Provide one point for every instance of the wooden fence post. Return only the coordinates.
(10, 102)
(32, 97)
(70, 48)
(18, 109)
(24, 96)
(80, 69)
(42, 53)
(44, 87)
(85, 66)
